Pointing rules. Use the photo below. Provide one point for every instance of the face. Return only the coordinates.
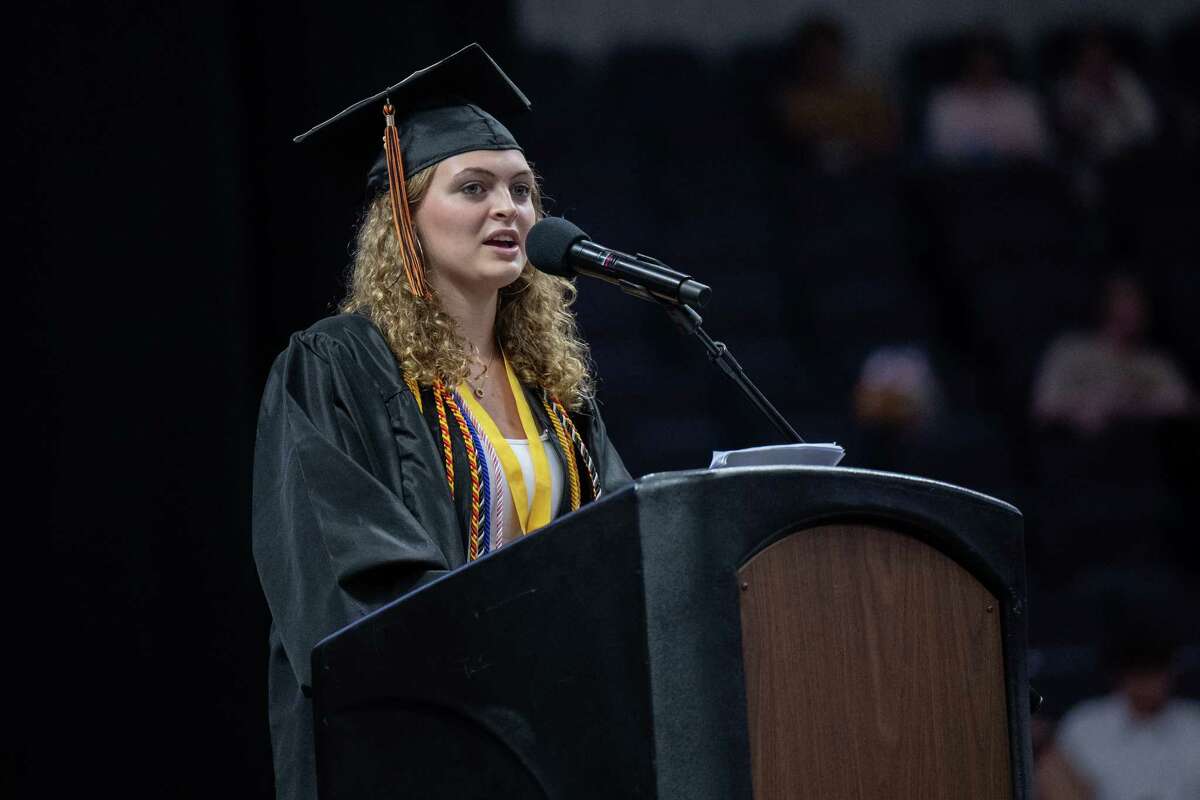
(1126, 312)
(473, 220)
(1147, 690)
(983, 67)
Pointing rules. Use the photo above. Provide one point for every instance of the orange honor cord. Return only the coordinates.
(414, 270)
(443, 399)
(439, 404)
(475, 539)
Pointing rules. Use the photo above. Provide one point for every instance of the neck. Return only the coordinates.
(1117, 339)
(475, 317)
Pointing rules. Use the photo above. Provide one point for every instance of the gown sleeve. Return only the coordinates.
(612, 472)
(332, 537)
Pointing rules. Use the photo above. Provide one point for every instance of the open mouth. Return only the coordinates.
(502, 243)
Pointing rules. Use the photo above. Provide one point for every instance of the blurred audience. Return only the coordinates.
(1087, 380)
(835, 119)
(1103, 108)
(897, 412)
(1137, 742)
(984, 115)
(897, 390)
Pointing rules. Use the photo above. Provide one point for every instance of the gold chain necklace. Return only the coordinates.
(477, 388)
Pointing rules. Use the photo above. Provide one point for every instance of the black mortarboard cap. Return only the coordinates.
(439, 112)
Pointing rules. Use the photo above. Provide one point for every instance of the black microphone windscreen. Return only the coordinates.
(548, 243)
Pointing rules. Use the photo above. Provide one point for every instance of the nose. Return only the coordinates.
(504, 207)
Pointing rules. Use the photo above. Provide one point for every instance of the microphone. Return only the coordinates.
(558, 247)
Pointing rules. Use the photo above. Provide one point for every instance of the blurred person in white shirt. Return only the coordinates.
(985, 116)
(1137, 743)
(1102, 106)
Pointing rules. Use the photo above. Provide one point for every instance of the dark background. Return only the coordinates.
(168, 237)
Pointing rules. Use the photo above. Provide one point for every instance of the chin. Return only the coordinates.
(505, 274)
(490, 275)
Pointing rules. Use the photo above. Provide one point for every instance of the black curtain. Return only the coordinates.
(167, 237)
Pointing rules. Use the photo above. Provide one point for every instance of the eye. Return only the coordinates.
(472, 188)
(522, 190)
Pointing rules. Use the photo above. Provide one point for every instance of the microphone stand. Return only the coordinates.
(688, 320)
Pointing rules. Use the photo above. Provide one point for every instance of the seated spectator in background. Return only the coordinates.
(1087, 380)
(897, 390)
(899, 414)
(1138, 742)
(1102, 107)
(984, 116)
(837, 120)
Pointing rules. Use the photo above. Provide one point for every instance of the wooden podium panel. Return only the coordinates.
(874, 668)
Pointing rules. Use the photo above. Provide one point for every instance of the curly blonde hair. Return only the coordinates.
(534, 323)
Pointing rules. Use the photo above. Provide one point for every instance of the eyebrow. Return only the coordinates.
(488, 172)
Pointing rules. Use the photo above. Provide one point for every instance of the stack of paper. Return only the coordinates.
(804, 455)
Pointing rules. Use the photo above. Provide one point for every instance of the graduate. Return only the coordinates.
(446, 412)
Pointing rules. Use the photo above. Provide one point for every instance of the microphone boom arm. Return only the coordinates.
(688, 320)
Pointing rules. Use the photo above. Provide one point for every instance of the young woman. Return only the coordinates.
(447, 412)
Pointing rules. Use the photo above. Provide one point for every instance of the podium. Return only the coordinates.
(757, 633)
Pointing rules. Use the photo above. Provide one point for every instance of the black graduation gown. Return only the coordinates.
(351, 508)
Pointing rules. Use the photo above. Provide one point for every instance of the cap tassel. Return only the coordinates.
(414, 268)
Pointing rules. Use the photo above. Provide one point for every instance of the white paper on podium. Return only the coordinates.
(826, 454)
